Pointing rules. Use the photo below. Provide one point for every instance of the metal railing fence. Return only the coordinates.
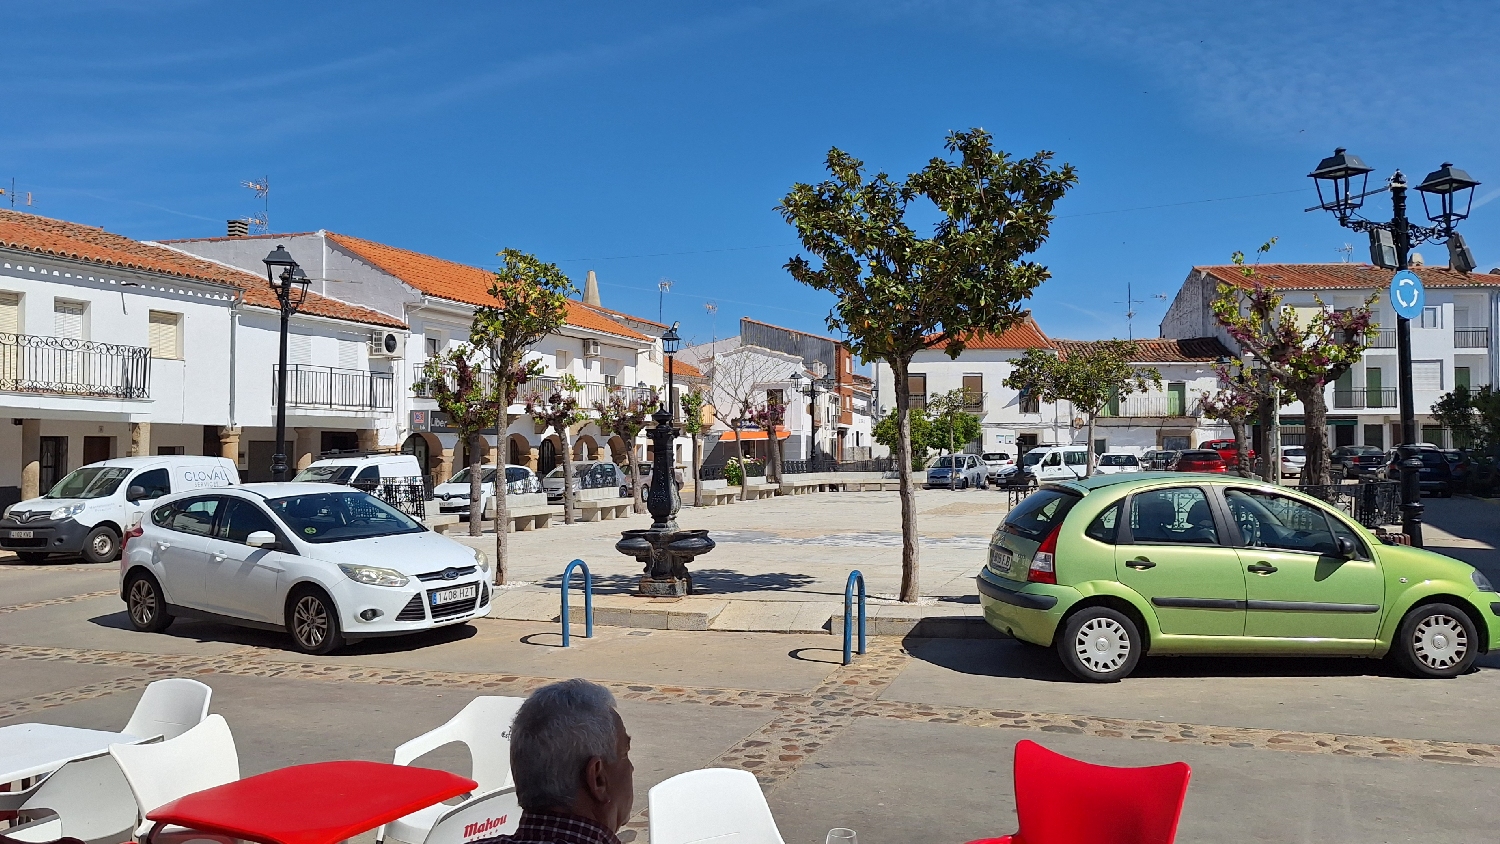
(67, 367)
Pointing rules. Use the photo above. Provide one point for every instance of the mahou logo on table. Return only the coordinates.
(484, 826)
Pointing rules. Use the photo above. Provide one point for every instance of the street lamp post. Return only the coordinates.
(809, 387)
(290, 286)
(670, 343)
(1390, 247)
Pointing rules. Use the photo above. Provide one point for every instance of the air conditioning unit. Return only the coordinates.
(388, 344)
(591, 348)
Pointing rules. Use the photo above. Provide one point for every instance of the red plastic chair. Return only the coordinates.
(1061, 800)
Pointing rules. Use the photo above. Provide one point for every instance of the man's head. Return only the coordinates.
(569, 752)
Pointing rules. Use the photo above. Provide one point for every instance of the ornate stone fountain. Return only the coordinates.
(664, 548)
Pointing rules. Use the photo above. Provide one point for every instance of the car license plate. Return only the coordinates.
(22, 534)
(1000, 559)
(462, 593)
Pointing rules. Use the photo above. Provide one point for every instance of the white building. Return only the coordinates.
(1453, 342)
(113, 347)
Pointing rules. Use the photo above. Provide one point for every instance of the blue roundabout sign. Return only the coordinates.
(1407, 294)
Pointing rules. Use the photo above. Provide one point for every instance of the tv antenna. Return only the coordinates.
(713, 309)
(663, 287)
(30, 200)
(1347, 249)
(260, 223)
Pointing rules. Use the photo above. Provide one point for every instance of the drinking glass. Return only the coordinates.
(841, 836)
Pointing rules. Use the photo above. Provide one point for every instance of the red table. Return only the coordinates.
(321, 803)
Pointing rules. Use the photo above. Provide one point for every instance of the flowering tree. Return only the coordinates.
(465, 395)
(1301, 355)
(626, 417)
(693, 403)
(768, 417)
(560, 409)
(1237, 401)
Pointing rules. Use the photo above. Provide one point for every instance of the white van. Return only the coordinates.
(366, 471)
(89, 510)
(1059, 463)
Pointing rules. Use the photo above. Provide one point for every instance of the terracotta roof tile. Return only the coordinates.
(1025, 334)
(1190, 350)
(45, 236)
(686, 369)
(460, 282)
(1345, 276)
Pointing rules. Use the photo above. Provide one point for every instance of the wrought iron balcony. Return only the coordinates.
(1385, 338)
(1379, 397)
(1471, 338)
(973, 402)
(64, 367)
(1152, 405)
(330, 388)
(587, 394)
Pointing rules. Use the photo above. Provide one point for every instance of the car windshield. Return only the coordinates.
(89, 482)
(1363, 449)
(1293, 451)
(463, 477)
(995, 455)
(1118, 460)
(341, 516)
(946, 462)
(1032, 458)
(1432, 458)
(513, 474)
(1042, 510)
(325, 475)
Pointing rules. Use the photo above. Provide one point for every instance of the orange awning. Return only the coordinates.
(757, 434)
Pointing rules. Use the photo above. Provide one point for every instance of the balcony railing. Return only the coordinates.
(64, 367)
(1385, 338)
(336, 389)
(973, 401)
(1151, 406)
(1380, 397)
(1471, 338)
(587, 395)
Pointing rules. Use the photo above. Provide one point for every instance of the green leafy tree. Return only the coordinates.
(1088, 376)
(531, 301)
(900, 293)
(1302, 355)
(693, 402)
(952, 426)
(888, 433)
(626, 415)
(1472, 415)
(464, 394)
(559, 409)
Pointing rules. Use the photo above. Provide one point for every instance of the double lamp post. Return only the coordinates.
(1390, 247)
(289, 283)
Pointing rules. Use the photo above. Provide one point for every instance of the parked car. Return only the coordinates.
(453, 495)
(1199, 460)
(326, 563)
(958, 471)
(1159, 459)
(1175, 558)
(1435, 476)
(89, 510)
(1460, 468)
(1023, 473)
(1293, 461)
(1227, 451)
(997, 462)
(1484, 479)
(1057, 463)
(1115, 462)
(1356, 461)
(365, 471)
(587, 474)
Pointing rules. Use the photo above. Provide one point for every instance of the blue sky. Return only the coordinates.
(653, 140)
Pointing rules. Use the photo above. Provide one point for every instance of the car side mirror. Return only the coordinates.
(1346, 547)
(261, 539)
(135, 493)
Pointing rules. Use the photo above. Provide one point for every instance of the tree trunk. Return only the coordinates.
(636, 504)
(739, 449)
(502, 509)
(1241, 448)
(567, 440)
(697, 481)
(910, 553)
(1088, 447)
(476, 499)
(952, 459)
(1266, 418)
(773, 456)
(1315, 422)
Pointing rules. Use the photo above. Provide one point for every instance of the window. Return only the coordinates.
(1180, 515)
(564, 360)
(1460, 317)
(164, 334)
(10, 312)
(1432, 317)
(1461, 377)
(171, 449)
(191, 515)
(154, 484)
(1427, 375)
(1101, 446)
(1105, 526)
(1030, 404)
(68, 320)
(1176, 443)
(974, 393)
(917, 386)
(1075, 458)
(243, 519)
(1275, 521)
(1042, 511)
(1375, 435)
(776, 397)
(433, 345)
(368, 478)
(1177, 398)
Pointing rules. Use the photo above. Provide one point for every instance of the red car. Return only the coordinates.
(1199, 460)
(1225, 448)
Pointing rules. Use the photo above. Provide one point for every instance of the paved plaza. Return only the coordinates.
(911, 743)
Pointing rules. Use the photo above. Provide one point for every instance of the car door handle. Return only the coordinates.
(163, 545)
(1140, 564)
(1261, 568)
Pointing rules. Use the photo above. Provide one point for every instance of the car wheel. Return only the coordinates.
(32, 557)
(102, 545)
(1436, 641)
(313, 622)
(145, 604)
(624, 491)
(1099, 645)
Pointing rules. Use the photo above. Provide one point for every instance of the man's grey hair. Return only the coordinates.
(557, 730)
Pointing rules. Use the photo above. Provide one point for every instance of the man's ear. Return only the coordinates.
(596, 779)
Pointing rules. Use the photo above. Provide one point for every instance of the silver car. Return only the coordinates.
(587, 474)
(958, 471)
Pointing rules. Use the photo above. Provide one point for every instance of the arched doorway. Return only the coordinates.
(420, 446)
(586, 448)
(520, 451)
(547, 457)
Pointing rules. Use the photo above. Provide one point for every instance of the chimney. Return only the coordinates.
(591, 290)
(236, 228)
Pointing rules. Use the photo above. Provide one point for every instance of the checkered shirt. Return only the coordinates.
(544, 828)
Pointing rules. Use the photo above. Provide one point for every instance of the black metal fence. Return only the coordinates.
(1371, 504)
(336, 389)
(410, 499)
(63, 366)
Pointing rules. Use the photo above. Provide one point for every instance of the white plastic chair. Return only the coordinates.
(200, 758)
(495, 813)
(169, 708)
(711, 804)
(484, 727)
(87, 799)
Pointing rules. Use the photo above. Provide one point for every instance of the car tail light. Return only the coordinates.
(1044, 562)
(135, 530)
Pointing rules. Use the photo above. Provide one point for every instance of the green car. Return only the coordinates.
(1111, 568)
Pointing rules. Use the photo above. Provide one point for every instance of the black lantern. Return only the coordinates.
(290, 285)
(1336, 175)
(670, 342)
(279, 259)
(1452, 187)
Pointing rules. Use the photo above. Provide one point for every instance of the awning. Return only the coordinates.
(755, 434)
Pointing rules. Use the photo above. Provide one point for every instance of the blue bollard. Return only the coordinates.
(588, 603)
(848, 609)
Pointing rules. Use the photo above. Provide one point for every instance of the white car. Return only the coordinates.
(997, 462)
(326, 563)
(453, 496)
(1115, 462)
(1293, 459)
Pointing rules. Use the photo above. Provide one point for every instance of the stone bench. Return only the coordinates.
(603, 509)
(798, 487)
(530, 518)
(722, 495)
(440, 524)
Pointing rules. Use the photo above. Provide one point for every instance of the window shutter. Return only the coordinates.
(1427, 375)
(163, 335)
(298, 349)
(348, 355)
(10, 312)
(67, 320)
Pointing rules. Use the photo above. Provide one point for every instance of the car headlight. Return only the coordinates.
(66, 511)
(482, 560)
(373, 576)
(1481, 582)
(6, 514)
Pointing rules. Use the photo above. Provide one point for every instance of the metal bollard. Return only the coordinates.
(588, 600)
(848, 609)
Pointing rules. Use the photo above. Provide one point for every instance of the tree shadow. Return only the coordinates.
(705, 582)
